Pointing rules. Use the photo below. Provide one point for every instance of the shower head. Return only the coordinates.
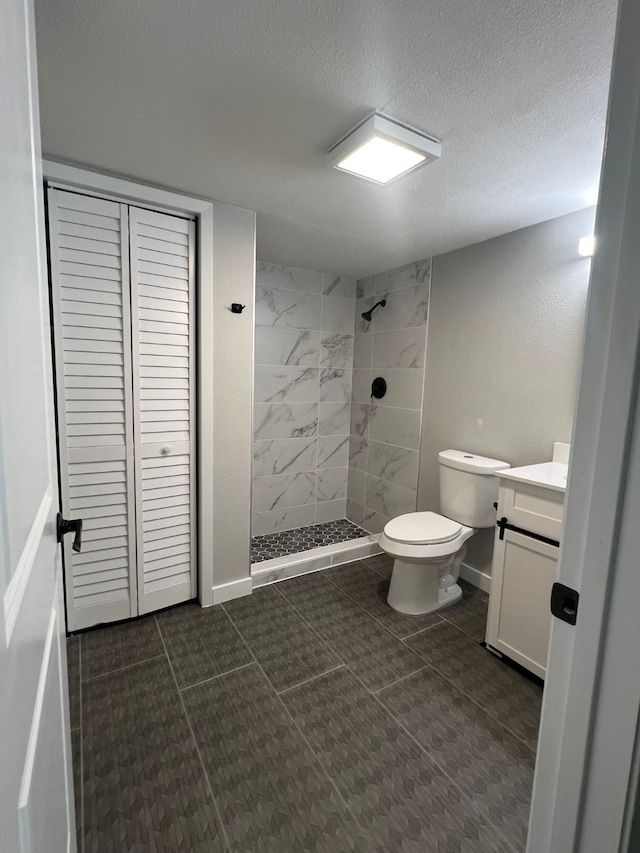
(366, 315)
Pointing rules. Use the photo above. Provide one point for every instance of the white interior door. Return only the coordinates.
(588, 767)
(123, 306)
(36, 795)
(89, 256)
(162, 313)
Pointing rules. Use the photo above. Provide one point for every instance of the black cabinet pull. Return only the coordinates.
(503, 524)
(64, 526)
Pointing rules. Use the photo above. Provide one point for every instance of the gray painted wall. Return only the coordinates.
(227, 448)
(302, 393)
(504, 347)
(385, 433)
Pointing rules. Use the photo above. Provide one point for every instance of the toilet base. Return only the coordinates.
(414, 589)
(449, 595)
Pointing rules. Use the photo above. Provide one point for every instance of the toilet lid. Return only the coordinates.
(422, 528)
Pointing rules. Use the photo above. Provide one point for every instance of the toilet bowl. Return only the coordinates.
(428, 548)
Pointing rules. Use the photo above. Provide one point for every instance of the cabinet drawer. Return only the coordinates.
(531, 508)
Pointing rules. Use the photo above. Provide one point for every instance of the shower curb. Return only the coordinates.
(292, 565)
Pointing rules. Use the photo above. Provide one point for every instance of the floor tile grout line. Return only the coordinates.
(282, 695)
(214, 677)
(443, 618)
(122, 668)
(380, 622)
(483, 708)
(465, 797)
(426, 666)
(462, 694)
(473, 637)
(325, 643)
(312, 678)
(290, 715)
(494, 717)
(216, 807)
(364, 560)
(401, 640)
(366, 687)
(471, 591)
(485, 813)
(240, 634)
(233, 624)
(255, 659)
(453, 625)
(303, 617)
(398, 680)
(357, 603)
(421, 631)
(317, 759)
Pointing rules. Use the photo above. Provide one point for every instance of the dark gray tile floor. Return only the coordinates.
(306, 717)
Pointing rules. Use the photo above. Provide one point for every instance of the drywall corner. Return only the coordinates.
(226, 387)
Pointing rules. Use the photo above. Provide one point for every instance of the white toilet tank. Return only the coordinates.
(468, 487)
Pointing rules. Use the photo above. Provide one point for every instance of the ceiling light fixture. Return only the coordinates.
(587, 246)
(381, 149)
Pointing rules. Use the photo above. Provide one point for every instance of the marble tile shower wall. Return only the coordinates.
(302, 392)
(385, 434)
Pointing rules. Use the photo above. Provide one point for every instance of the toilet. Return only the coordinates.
(428, 548)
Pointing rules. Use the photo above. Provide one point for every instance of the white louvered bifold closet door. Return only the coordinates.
(162, 313)
(89, 252)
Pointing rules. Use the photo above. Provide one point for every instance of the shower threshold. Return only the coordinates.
(278, 556)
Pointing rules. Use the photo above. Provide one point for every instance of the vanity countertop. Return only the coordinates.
(548, 475)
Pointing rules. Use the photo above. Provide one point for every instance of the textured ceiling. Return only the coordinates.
(238, 100)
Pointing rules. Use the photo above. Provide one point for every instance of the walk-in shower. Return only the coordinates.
(304, 347)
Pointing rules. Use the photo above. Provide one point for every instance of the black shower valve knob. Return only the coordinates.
(378, 388)
(237, 308)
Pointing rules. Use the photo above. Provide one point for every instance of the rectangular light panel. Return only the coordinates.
(381, 150)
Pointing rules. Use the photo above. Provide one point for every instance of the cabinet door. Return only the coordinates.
(163, 329)
(519, 620)
(89, 255)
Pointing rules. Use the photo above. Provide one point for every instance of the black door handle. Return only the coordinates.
(564, 603)
(63, 526)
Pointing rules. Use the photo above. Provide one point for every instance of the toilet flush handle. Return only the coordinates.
(166, 449)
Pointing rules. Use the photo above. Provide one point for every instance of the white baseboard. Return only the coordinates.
(233, 589)
(475, 577)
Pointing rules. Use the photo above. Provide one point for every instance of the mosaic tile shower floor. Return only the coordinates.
(274, 545)
(305, 718)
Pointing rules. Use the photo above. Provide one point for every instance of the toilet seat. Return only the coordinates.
(422, 528)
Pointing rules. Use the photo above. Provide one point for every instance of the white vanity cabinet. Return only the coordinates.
(525, 563)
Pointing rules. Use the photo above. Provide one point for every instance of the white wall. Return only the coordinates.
(504, 348)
